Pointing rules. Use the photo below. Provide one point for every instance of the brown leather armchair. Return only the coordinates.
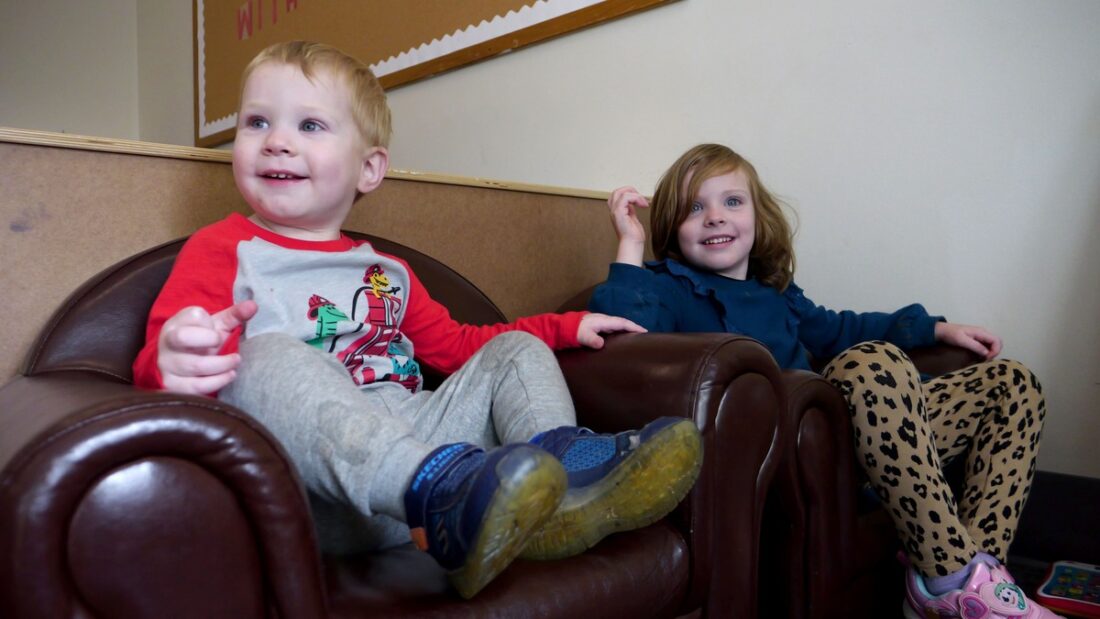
(116, 502)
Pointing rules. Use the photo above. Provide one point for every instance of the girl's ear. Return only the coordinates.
(375, 164)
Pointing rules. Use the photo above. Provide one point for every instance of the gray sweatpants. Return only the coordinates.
(357, 449)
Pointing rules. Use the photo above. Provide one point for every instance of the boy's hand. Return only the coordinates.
(592, 325)
(187, 351)
(976, 339)
(624, 203)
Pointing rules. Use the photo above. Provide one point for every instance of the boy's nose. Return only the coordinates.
(277, 144)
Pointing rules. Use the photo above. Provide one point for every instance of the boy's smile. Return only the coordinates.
(720, 228)
(299, 157)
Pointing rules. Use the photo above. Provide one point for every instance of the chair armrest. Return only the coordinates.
(940, 359)
(817, 489)
(731, 387)
(121, 502)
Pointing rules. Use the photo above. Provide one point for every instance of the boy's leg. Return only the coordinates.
(338, 439)
(993, 413)
(473, 511)
(508, 392)
(512, 390)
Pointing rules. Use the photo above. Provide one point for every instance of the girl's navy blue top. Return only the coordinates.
(670, 296)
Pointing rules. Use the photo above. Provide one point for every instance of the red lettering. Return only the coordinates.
(291, 5)
(244, 21)
(274, 12)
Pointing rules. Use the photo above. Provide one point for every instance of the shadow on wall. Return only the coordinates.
(1071, 379)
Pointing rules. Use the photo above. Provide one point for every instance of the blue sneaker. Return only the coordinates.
(474, 511)
(617, 482)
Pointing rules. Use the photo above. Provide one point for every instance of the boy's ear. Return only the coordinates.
(375, 164)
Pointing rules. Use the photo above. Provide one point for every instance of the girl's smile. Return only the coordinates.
(719, 231)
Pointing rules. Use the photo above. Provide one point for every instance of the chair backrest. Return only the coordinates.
(101, 326)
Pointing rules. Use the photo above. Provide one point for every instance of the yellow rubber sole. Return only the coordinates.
(531, 488)
(641, 491)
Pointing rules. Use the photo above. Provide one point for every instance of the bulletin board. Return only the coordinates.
(401, 40)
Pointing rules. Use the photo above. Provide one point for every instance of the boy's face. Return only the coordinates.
(299, 158)
(720, 229)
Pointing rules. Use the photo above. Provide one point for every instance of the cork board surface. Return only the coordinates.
(401, 41)
(68, 214)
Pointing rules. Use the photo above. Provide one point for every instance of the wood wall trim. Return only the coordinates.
(152, 149)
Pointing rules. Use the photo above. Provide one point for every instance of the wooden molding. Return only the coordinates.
(152, 149)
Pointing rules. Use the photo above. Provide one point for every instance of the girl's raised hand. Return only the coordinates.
(623, 204)
(593, 324)
(972, 338)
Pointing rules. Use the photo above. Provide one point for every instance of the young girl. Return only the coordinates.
(725, 263)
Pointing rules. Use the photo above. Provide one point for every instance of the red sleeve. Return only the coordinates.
(444, 344)
(202, 275)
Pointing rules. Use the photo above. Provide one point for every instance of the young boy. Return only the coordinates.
(315, 334)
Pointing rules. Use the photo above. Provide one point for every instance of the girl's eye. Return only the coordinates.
(311, 125)
(733, 201)
(696, 207)
(257, 123)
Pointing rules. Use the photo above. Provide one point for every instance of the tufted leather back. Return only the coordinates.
(101, 327)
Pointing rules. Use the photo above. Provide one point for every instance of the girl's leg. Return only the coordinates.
(896, 446)
(993, 413)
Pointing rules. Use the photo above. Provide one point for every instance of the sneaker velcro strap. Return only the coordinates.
(433, 470)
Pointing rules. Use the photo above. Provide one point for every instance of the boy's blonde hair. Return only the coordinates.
(772, 257)
(368, 100)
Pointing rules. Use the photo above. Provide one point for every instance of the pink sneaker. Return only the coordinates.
(989, 593)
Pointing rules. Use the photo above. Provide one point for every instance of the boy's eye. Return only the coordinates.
(733, 201)
(311, 125)
(257, 123)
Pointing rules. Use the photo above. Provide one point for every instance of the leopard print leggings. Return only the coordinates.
(906, 431)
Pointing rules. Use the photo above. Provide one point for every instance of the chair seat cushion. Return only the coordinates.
(641, 573)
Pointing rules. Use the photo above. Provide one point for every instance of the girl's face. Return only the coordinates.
(721, 226)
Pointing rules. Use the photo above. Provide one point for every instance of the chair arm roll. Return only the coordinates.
(731, 387)
(114, 499)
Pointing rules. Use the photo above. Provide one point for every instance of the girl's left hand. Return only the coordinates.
(592, 325)
(972, 338)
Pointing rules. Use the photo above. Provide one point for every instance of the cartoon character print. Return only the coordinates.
(1001, 599)
(375, 307)
(327, 316)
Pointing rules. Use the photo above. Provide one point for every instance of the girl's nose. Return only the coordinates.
(715, 216)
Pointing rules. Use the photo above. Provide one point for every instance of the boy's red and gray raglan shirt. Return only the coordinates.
(366, 308)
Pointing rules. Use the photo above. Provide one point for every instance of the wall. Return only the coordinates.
(69, 66)
(165, 73)
(938, 151)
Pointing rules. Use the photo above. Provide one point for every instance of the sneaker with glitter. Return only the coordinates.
(473, 510)
(617, 482)
(989, 593)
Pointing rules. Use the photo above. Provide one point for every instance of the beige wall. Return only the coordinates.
(943, 152)
(165, 71)
(69, 66)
